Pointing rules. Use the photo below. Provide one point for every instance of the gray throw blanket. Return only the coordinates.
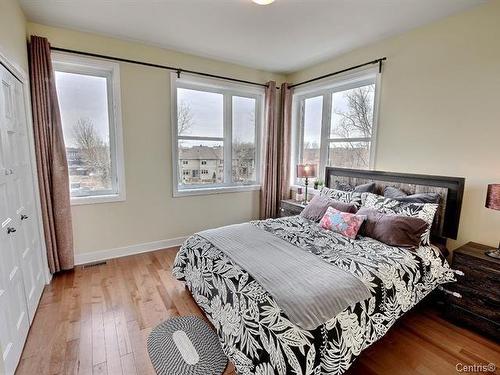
(309, 290)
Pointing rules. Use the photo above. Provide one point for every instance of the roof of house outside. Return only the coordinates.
(201, 153)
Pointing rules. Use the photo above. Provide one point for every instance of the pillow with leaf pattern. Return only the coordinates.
(424, 211)
(342, 196)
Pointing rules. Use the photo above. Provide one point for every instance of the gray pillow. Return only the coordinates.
(395, 193)
(317, 207)
(364, 188)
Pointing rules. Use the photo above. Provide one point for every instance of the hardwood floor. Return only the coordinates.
(96, 320)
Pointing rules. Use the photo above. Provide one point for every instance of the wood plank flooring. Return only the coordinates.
(96, 321)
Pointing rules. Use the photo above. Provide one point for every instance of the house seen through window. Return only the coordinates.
(216, 135)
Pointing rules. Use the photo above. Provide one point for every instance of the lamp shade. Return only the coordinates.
(493, 197)
(306, 170)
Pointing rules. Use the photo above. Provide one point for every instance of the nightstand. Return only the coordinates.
(479, 288)
(290, 207)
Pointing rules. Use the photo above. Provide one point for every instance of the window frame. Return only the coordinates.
(228, 90)
(326, 88)
(69, 63)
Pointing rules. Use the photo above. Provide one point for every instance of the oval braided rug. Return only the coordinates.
(186, 345)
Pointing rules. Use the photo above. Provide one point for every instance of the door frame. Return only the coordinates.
(23, 77)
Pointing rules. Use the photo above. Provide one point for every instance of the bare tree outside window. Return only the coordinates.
(185, 120)
(355, 121)
(91, 129)
(243, 164)
(352, 118)
(343, 137)
(243, 168)
(95, 152)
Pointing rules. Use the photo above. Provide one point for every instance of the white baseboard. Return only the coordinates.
(100, 255)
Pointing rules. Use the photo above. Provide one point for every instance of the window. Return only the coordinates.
(335, 123)
(89, 100)
(216, 131)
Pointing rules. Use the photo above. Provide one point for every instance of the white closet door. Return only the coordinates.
(13, 306)
(24, 205)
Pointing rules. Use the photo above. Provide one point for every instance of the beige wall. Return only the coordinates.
(150, 213)
(13, 33)
(440, 107)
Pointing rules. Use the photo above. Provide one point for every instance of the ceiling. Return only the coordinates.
(285, 36)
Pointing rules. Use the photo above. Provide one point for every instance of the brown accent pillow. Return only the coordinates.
(317, 207)
(393, 230)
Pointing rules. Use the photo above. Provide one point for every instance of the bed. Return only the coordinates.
(256, 333)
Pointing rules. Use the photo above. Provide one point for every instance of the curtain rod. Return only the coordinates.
(174, 69)
(377, 61)
(180, 70)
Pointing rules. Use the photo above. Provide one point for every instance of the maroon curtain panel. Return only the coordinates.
(276, 155)
(285, 136)
(52, 167)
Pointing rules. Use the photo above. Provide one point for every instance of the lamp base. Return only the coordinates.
(494, 253)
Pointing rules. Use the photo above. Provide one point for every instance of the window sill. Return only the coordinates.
(97, 199)
(215, 190)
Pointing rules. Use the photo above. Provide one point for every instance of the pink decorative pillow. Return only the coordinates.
(344, 223)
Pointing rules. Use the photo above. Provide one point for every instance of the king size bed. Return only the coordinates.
(329, 296)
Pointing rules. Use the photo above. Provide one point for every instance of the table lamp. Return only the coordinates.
(493, 202)
(306, 171)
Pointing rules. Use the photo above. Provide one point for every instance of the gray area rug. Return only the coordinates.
(186, 345)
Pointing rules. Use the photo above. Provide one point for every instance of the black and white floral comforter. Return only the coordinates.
(255, 333)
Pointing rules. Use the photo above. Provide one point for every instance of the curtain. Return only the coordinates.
(269, 192)
(52, 168)
(285, 142)
(276, 156)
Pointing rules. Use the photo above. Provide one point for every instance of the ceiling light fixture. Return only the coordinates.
(263, 2)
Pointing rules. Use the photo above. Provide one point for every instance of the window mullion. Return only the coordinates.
(301, 131)
(300, 137)
(341, 140)
(228, 136)
(325, 132)
(199, 138)
(112, 136)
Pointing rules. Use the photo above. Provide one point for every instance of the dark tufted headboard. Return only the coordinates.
(450, 190)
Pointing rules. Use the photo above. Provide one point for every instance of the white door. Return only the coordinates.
(24, 205)
(21, 280)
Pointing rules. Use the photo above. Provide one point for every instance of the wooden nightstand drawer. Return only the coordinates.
(480, 265)
(484, 280)
(462, 316)
(290, 208)
(480, 304)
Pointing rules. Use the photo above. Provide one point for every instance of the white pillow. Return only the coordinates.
(342, 196)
